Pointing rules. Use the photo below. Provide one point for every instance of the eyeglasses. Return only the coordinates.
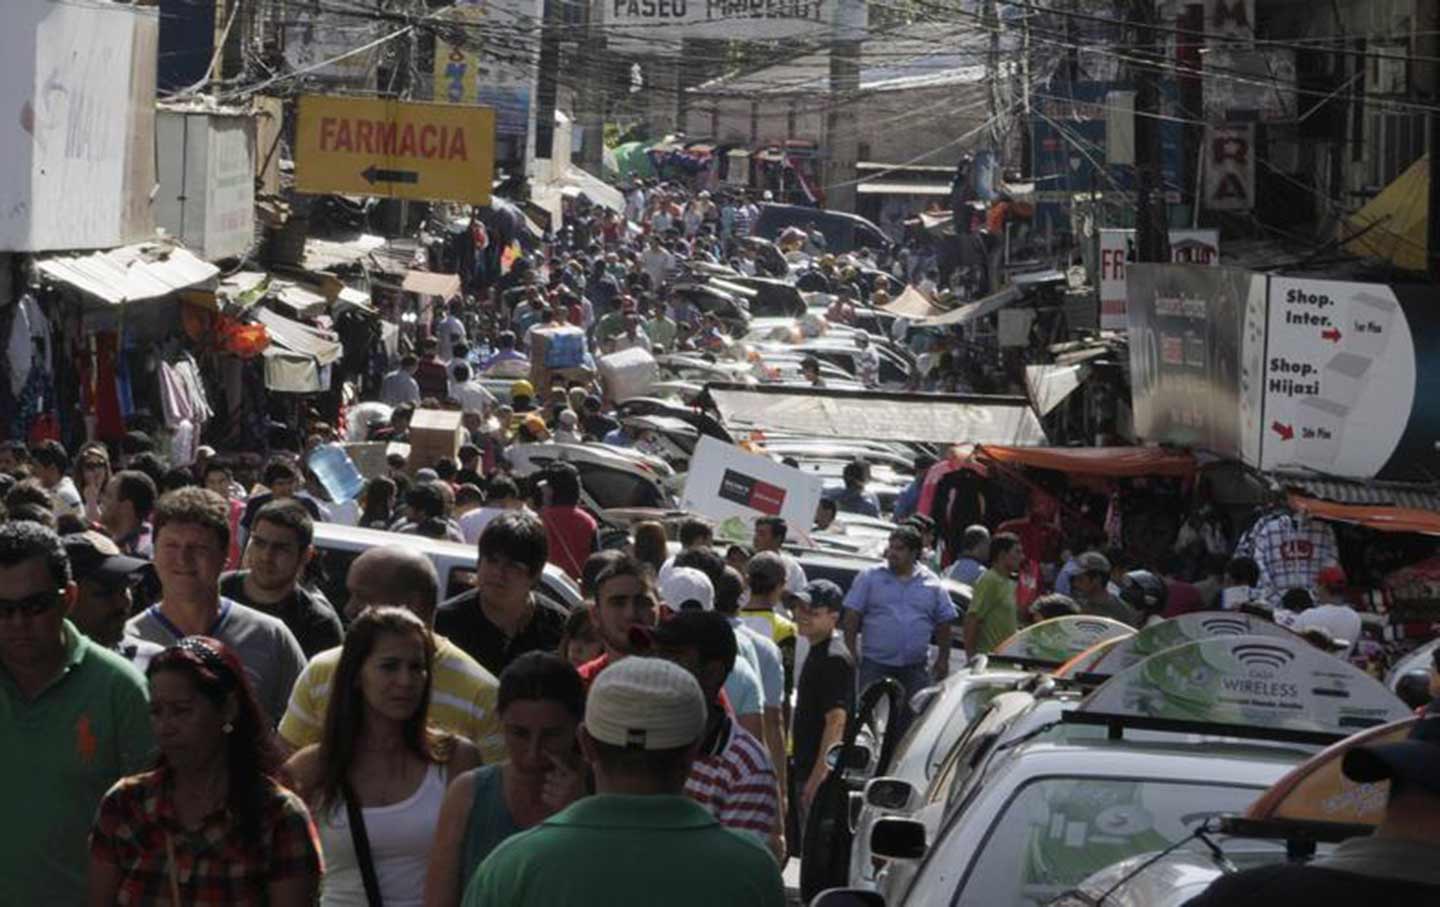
(33, 606)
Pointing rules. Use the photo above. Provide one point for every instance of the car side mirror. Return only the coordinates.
(847, 897)
(889, 793)
(894, 838)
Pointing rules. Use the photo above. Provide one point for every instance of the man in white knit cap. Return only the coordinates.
(639, 840)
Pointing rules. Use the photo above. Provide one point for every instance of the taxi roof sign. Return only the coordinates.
(1284, 687)
(1058, 639)
(395, 149)
(1318, 791)
(1182, 629)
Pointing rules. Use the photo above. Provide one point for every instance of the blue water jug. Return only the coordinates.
(336, 472)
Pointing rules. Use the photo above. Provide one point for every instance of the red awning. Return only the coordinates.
(1380, 518)
(1113, 462)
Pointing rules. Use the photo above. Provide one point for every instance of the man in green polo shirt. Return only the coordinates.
(992, 617)
(74, 719)
(639, 841)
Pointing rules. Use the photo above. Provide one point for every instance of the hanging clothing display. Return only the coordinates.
(1291, 550)
(28, 345)
(184, 405)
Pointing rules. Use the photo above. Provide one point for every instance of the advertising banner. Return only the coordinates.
(735, 487)
(475, 65)
(1228, 160)
(1318, 791)
(1060, 638)
(1342, 378)
(657, 26)
(1117, 250)
(1259, 681)
(1179, 630)
(1186, 329)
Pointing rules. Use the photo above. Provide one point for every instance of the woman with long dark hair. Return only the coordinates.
(378, 776)
(541, 703)
(210, 824)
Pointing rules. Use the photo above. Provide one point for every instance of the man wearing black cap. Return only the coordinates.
(104, 579)
(1398, 864)
(732, 777)
(825, 693)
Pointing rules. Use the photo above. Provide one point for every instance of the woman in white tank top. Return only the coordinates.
(377, 750)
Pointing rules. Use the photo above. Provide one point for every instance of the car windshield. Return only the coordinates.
(1055, 832)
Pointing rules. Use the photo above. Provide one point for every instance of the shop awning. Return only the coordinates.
(1049, 385)
(298, 338)
(129, 273)
(877, 187)
(835, 413)
(1382, 519)
(1392, 225)
(1115, 462)
(912, 304)
(978, 309)
(324, 254)
(429, 283)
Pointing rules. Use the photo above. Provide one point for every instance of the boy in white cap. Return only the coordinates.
(639, 841)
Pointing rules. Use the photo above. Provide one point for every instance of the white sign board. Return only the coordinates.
(207, 181)
(1228, 158)
(735, 487)
(1117, 249)
(1340, 376)
(656, 26)
(78, 89)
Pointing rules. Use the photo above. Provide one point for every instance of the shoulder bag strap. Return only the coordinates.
(361, 841)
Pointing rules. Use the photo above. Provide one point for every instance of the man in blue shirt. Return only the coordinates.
(974, 554)
(900, 604)
(908, 500)
(854, 498)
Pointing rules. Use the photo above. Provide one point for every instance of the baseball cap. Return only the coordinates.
(1093, 562)
(645, 704)
(821, 593)
(685, 588)
(1414, 760)
(94, 556)
(1332, 577)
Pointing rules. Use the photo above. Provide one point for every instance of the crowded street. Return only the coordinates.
(488, 453)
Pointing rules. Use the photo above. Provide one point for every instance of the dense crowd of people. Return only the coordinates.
(189, 719)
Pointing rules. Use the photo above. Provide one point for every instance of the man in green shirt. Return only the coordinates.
(639, 841)
(74, 719)
(992, 617)
(661, 328)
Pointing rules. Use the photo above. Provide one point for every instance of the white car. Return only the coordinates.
(337, 546)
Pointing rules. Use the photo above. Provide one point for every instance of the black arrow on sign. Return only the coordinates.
(373, 176)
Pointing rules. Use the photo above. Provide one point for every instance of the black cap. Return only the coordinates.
(821, 593)
(94, 557)
(1414, 760)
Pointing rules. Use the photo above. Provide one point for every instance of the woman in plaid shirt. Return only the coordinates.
(210, 824)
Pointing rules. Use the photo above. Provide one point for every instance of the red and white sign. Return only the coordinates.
(1117, 250)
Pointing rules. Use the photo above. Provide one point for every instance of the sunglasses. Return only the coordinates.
(33, 606)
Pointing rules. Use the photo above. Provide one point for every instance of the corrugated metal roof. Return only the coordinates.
(300, 338)
(129, 273)
(1392, 494)
(323, 254)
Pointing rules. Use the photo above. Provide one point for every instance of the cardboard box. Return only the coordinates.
(628, 373)
(435, 434)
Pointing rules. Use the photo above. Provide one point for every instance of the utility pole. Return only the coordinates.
(592, 93)
(1152, 236)
(842, 125)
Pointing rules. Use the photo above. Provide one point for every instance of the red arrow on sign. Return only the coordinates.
(1284, 431)
(1332, 335)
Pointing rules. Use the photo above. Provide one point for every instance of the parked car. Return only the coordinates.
(337, 546)
(843, 232)
(609, 476)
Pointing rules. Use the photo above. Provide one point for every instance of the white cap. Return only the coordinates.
(686, 584)
(646, 704)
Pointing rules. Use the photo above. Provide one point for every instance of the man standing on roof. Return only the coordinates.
(1398, 864)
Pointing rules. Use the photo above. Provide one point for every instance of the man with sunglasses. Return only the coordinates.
(74, 719)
